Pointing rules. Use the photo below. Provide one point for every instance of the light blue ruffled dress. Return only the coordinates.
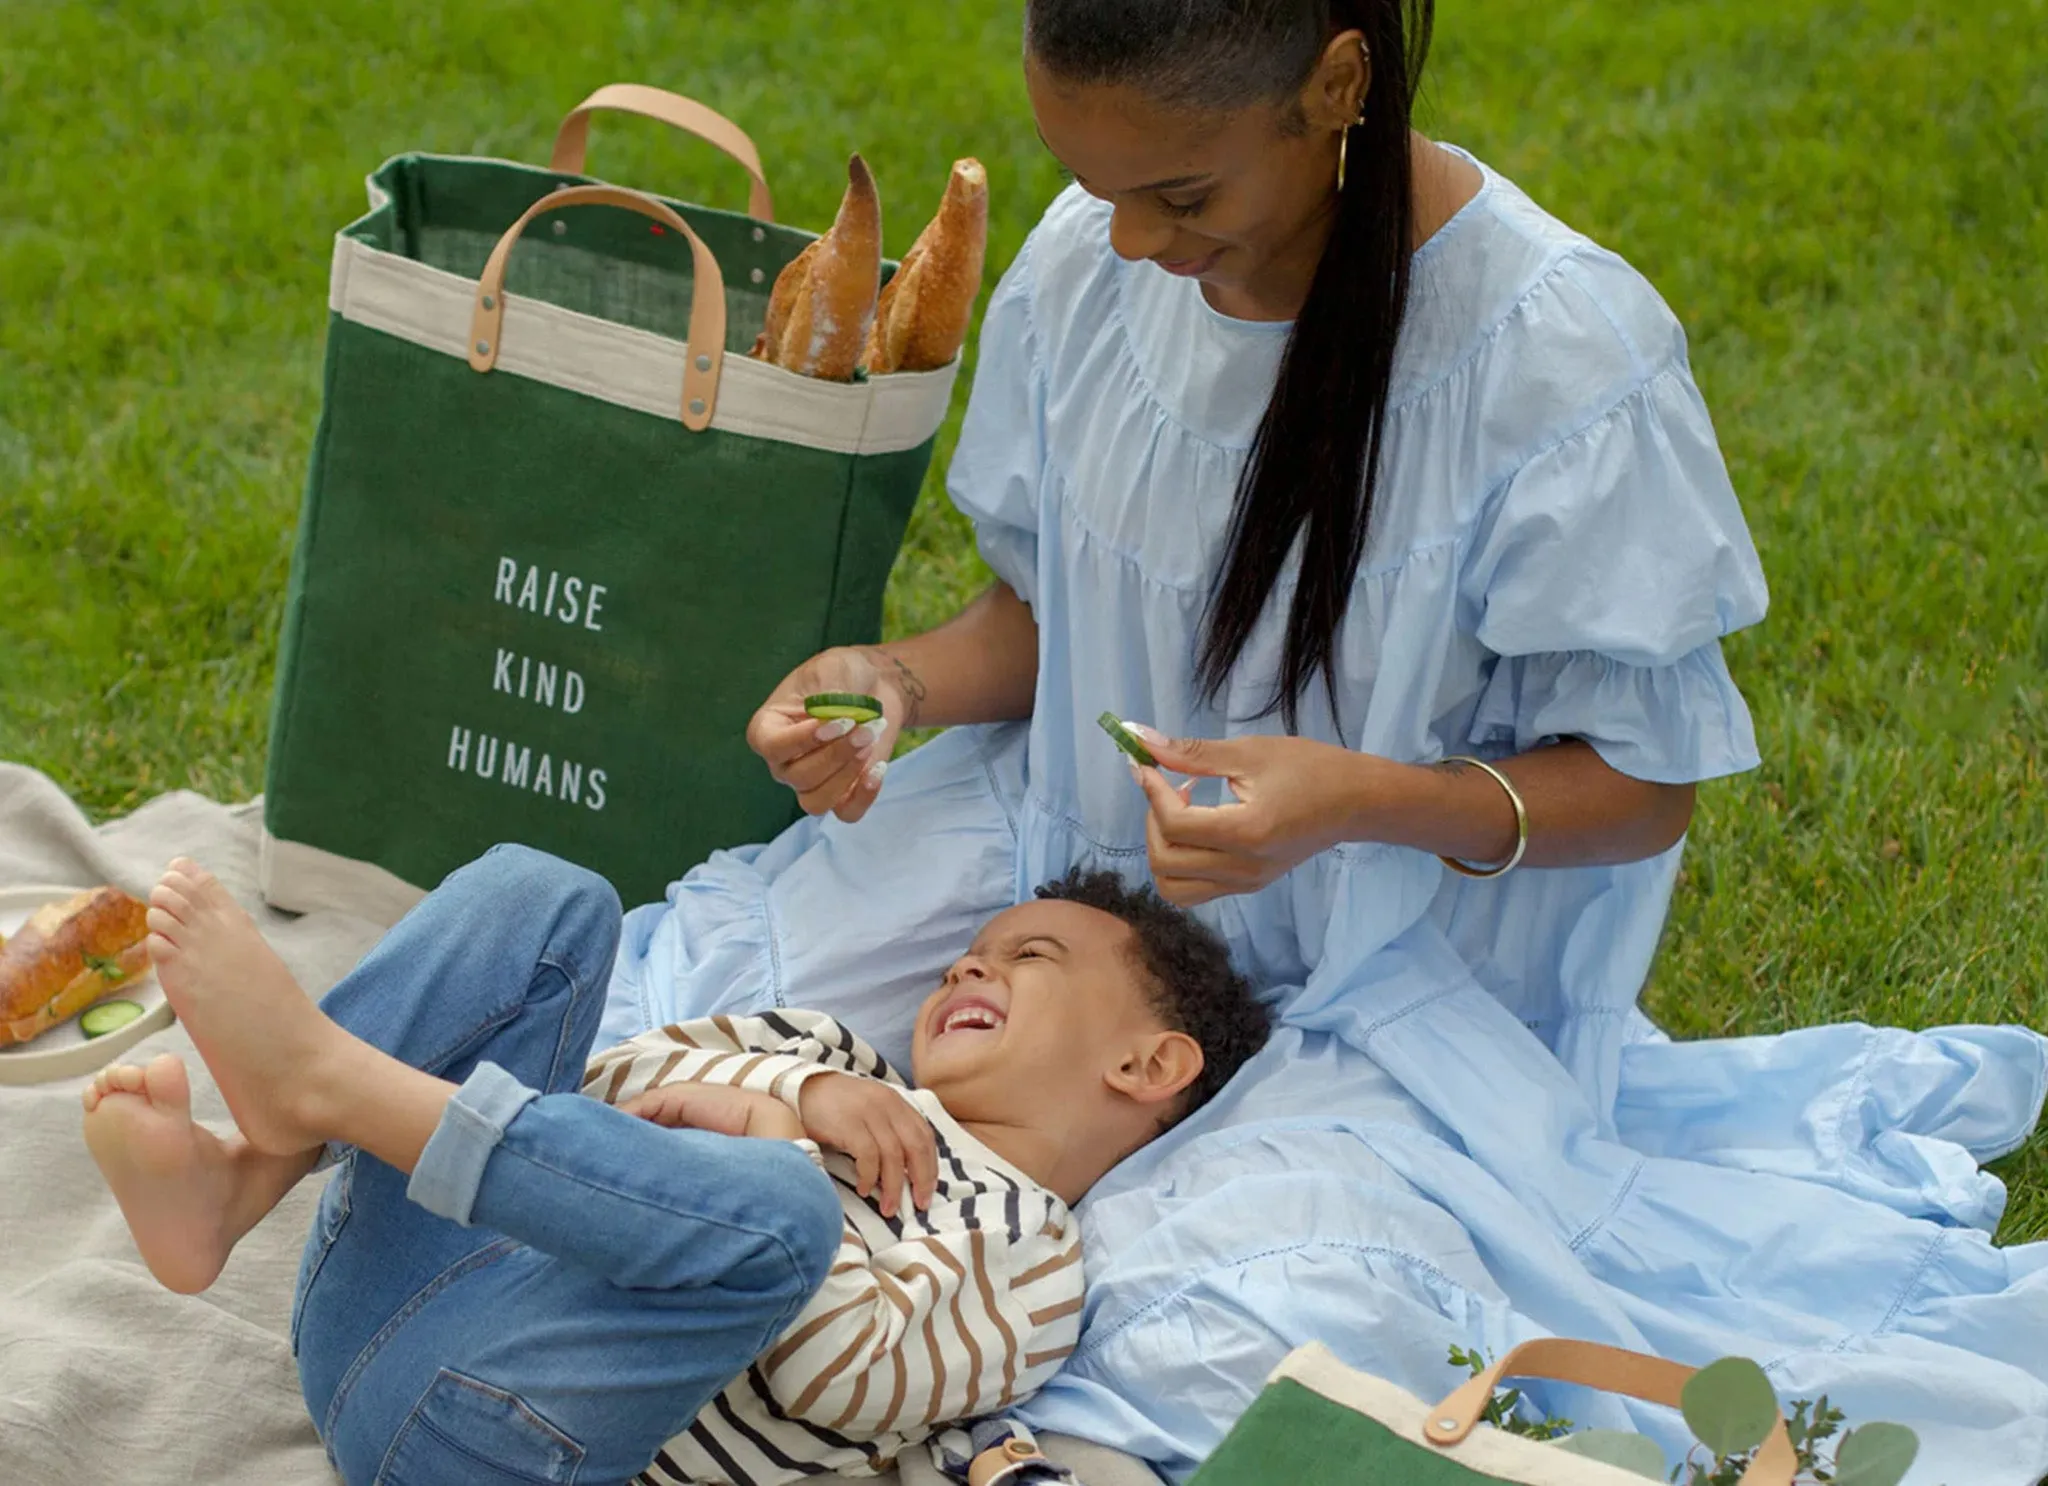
(1464, 1131)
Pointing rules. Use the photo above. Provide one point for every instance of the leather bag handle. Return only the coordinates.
(707, 303)
(1611, 1370)
(573, 139)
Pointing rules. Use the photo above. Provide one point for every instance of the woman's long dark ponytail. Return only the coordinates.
(1312, 475)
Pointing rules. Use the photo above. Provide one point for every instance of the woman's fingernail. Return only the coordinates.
(1146, 733)
(870, 733)
(834, 730)
(875, 772)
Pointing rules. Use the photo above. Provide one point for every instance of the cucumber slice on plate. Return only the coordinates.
(829, 706)
(1125, 739)
(107, 1016)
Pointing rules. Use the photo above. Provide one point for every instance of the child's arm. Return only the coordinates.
(755, 1053)
(857, 1113)
(935, 1328)
(724, 1111)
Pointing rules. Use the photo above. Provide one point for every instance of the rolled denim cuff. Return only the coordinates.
(451, 1168)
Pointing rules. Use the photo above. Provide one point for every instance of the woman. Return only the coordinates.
(1304, 435)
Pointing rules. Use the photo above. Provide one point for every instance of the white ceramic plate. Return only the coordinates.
(64, 1051)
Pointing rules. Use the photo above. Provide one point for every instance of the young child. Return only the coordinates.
(509, 1281)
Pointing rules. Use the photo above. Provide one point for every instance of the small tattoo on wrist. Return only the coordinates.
(913, 689)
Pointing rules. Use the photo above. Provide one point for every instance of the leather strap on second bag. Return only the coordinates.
(707, 301)
(573, 139)
(1008, 1464)
(1611, 1370)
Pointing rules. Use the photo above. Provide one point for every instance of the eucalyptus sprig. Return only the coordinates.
(1731, 1409)
(1504, 1411)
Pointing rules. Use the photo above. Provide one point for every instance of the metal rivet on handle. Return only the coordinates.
(560, 227)
(696, 407)
(760, 234)
(757, 276)
(489, 302)
(483, 348)
(703, 363)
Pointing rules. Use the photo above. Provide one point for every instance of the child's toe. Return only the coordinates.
(189, 876)
(170, 895)
(166, 1081)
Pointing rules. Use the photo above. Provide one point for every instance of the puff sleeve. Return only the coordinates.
(1602, 575)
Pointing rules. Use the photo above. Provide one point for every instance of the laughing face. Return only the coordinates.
(1046, 1007)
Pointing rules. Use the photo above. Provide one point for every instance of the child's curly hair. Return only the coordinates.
(1194, 987)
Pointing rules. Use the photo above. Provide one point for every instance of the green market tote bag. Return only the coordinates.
(559, 535)
(1320, 1423)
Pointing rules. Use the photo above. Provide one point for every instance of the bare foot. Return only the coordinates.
(174, 1179)
(266, 1044)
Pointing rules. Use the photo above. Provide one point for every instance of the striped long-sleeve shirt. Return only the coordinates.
(926, 1318)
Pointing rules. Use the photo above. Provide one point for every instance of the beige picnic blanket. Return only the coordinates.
(104, 1375)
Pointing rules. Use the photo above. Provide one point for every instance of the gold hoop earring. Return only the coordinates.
(1344, 139)
(1344, 148)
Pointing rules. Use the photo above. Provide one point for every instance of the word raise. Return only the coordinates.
(562, 597)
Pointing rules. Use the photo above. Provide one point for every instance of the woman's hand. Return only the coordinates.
(890, 1142)
(979, 666)
(836, 766)
(1295, 797)
(719, 1108)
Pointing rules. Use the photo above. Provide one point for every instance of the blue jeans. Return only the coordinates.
(559, 1288)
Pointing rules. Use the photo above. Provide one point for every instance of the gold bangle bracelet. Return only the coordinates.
(1521, 825)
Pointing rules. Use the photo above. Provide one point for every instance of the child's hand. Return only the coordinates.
(890, 1142)
(717, 1108)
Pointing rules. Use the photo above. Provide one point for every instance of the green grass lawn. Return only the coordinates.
(1844, 202)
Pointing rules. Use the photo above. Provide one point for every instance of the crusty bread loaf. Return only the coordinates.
(67, 957)
(824, 301)
(926, 309)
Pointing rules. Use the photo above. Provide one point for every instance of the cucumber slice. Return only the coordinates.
(107, 1016)
(829, 706)
(1125, 739)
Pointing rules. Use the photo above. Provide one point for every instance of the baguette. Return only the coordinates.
(924, 313)
(824, 302)
(66, 957)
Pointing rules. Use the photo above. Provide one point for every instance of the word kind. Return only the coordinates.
(518, 767)
(536, 681)
(559, 596)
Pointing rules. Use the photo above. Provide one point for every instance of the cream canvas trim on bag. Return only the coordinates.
(634, 368)
(1488, 1451)
(304, 879)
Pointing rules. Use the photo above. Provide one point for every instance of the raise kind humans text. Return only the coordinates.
(567, 600)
